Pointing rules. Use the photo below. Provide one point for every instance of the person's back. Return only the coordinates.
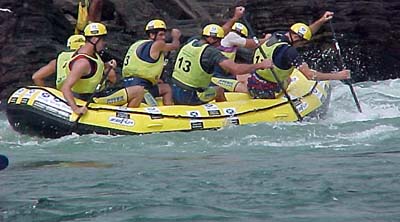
(62, 61)
(195, 63)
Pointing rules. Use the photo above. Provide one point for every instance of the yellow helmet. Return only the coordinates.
(95, 29)
(155, 24)
(213, 30)
(75, 41)
(302, 30)
(240, 28)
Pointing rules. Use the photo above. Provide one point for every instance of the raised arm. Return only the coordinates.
(239, 12)
(315, 26)
(176, 35)
(251, 44)
(161, 46)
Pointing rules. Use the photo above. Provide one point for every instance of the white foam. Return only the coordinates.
(378, 100)
(372, 132)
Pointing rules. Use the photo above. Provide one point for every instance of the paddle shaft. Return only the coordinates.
(299, 117)
(342, 66)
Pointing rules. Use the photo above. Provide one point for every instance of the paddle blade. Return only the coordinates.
(3, 162)
(150, 100)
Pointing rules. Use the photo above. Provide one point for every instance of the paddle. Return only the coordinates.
(149, 99)
(96, 90)
(341, 66)
(299, 117)
(3, 162)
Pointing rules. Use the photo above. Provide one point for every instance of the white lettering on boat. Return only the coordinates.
(153, 110)
(317, 93)
(115, 100)
(19, 91)
(28, 95)
(51, 100)
(121, 121)
(210, 107)
(302, 106)
(52, 110)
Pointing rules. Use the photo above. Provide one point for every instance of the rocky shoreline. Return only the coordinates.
(32, 32)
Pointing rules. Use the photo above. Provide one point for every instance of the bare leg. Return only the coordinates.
(243, 78)
(220, 95)
(166, 92)
(95, 9)
(241, 87)
(135, 96)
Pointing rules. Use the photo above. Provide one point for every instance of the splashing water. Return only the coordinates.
(315, 170)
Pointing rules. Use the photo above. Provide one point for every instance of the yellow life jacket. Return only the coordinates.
(266, 74)
(134, 66)
(230, 55)
(188, 68)
(87, 84)
(62, 61)
(82, 20)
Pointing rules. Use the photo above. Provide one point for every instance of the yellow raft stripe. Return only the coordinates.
(184, 116)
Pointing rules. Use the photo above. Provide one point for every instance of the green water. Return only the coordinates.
(343, 168)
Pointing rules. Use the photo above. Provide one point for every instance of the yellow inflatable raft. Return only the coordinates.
(43, 111)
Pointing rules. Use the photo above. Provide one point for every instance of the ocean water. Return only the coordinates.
(343, 168)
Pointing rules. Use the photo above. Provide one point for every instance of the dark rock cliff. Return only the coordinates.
(33, 32)
(368, 31)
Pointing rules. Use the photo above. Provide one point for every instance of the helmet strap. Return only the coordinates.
(155, 32)
(290, 37)
(155, 35)
(211, 43)
(94, 43)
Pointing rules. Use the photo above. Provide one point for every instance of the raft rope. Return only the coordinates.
(189, 117)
